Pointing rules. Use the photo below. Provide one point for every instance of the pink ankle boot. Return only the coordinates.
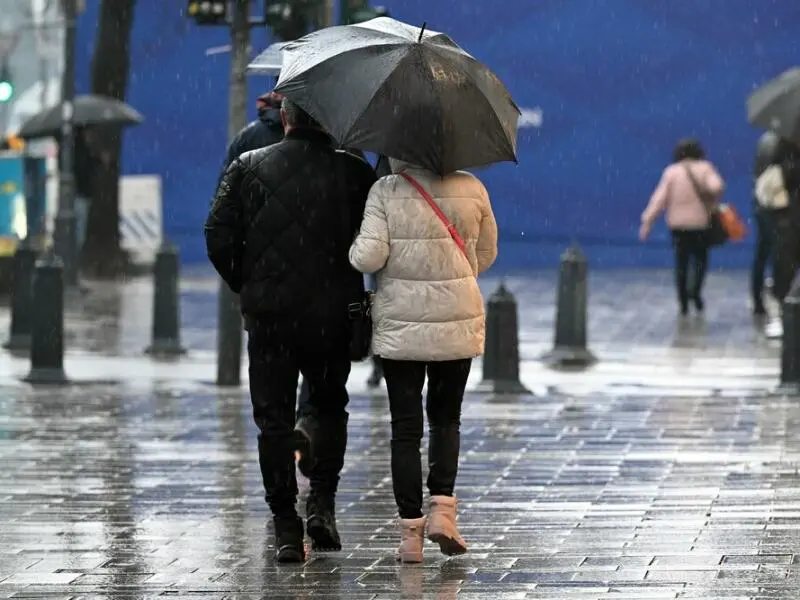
(442, 528)
(413, 532)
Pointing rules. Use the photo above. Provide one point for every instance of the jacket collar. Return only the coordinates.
(399, 166)
(309, 135)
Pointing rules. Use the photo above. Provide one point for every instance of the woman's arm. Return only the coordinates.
(486, 247)
(370, 250)
(656, 205)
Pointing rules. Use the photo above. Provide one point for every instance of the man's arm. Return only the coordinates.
(224, 228)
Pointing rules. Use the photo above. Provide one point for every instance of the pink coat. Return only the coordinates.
(675, 194)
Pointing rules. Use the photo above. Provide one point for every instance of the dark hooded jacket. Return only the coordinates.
(280, 228)
(263, 132)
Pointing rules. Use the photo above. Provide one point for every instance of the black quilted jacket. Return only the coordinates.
(281, 225)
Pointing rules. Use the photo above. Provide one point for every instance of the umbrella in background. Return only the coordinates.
(88, 110)
(776, 105)
(399, 90)
(270, 61)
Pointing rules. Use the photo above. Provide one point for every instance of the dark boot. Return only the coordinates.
(304, 432)
(321, 524)
(289, 539)
(376, 376)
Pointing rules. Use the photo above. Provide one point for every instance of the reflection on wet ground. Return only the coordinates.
(116, 492)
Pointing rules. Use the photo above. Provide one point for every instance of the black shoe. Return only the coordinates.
(304, 445)
(759, 310)
(321, 525)
(289, 540)
(376, 377)
(374, 380)
(684, 308)
(698, 303)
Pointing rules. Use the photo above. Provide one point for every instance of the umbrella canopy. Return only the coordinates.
(776, 105)
(399, 90)
(87, 110)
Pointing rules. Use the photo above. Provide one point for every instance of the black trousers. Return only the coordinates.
(303, 405)
(446, 384)
(279, 352)
(763, 253)
(786, 258)
(691, 263)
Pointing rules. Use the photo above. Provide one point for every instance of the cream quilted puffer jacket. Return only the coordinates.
(427, 306)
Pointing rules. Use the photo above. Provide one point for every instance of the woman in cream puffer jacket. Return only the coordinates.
(428, 319)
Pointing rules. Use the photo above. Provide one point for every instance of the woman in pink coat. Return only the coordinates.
(689, 190)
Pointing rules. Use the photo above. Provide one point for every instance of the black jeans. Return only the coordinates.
(303, 404)
(786, 257)
(279, 352)
(761, 257)
(691, 259)
(446, 384)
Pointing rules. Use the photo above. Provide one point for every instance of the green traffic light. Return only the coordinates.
(6, 91)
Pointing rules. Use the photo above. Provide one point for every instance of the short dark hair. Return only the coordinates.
(688, 148)
(297, 117)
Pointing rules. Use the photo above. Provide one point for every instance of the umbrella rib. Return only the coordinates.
(492, 112)
(451, 55)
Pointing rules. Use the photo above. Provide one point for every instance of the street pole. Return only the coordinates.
(329, 15)
(64, 238)
(229, 327)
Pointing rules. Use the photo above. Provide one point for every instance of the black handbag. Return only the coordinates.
(359, 311)
(360, 314)
(716, 235)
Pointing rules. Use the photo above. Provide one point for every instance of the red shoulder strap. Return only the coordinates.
(451, 229)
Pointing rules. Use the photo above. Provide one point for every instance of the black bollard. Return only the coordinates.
(22, 267)
(790, 348)
(166, 304)
(47, 333)
(570, 336)
(501, 356)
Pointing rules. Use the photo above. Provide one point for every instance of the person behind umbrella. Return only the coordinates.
(687, 217)
(786, 220)
(765, 157)
(278, 234)
(428, 319)
(264, 131)
(382, 169)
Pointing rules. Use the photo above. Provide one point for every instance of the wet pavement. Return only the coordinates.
(131, 494)
(669, 471)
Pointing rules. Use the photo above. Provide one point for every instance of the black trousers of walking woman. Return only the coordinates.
(447, 381)
(691, 262)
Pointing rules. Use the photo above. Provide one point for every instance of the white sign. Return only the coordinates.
(141, 217)
(530, 117)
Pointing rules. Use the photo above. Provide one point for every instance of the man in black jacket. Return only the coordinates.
(266, 130)
(278, 233)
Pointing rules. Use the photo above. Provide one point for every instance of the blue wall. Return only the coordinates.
(619, 81)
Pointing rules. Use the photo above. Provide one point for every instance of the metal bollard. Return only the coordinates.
(47, 333)
(501, 356)
(229, 338)
(22, 267)
(570, 336)
(166, 339)
(790, 348)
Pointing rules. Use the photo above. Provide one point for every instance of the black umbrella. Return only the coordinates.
(87, 110)
(776, 105)
(394, 89)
